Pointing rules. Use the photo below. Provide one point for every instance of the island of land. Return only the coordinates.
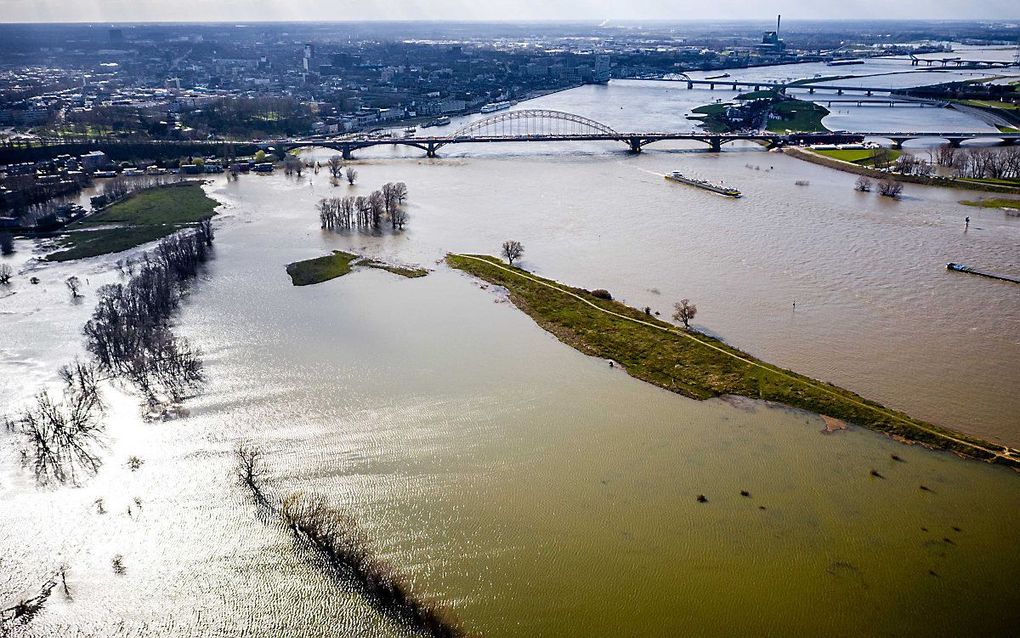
(338, 264)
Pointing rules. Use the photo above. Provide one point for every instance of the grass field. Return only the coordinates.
(694, 364)
(991, 104)
(993, 203)
(798, 115)
(857, 156)
(320, 269)
(177, 204)
(145, 216)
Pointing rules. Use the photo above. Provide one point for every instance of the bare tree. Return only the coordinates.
(945, 155)
(352, 175)
(336, 165)
(74, 285)
(881, 157)
(251, 468)
(863, 184)
(512, 250)
(890, 188)
(5, 274)
(685, 312)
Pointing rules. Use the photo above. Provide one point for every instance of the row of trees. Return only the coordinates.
(129, 333)
(365, 213)
(980, 163)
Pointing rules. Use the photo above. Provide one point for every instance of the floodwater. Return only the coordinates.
(534, 489)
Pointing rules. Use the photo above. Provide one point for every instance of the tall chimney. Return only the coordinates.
(779, 18)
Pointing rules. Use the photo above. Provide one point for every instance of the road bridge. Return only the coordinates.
(543, 125)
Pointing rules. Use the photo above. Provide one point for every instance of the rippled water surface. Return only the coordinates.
(536, 490)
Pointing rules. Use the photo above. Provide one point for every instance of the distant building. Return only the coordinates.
(93, 161)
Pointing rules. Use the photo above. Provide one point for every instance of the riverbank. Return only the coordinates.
(850, 167)
(699, 366)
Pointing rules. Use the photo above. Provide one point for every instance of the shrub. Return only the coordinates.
(602, 293)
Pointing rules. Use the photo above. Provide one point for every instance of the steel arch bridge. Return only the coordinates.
(534, 123)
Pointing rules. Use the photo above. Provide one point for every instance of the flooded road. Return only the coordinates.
(536, 490)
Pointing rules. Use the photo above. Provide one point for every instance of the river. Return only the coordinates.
(536, 490)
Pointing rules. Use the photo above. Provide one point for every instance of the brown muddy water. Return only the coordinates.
(536, 490)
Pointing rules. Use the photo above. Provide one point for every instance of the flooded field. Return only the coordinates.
(535, 490)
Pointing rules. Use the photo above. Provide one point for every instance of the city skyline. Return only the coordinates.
(497, 11)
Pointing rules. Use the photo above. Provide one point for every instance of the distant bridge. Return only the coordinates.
(782, 87)
(543, 125)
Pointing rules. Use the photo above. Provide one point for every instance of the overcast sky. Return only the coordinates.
(515, 10)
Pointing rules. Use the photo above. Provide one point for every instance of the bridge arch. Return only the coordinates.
(533, 122)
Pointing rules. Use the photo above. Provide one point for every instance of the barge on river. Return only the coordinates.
(677, 176)
(974, 271)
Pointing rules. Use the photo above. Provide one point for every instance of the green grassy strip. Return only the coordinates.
(992, 203)
(864, 157)
(697, 365)
(82, 244)
(320, 269)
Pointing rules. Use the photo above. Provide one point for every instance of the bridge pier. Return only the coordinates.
(811, 90)
(955, 141)
(635, 144)
(734, 87)
(897, 142)
(430, 151)
(715, 144)
(346, 151)
(690, 85)
(711, 86)
(869, 93)
(839, 92)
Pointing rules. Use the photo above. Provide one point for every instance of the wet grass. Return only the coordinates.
(862, 156)
(694, 364)
(404, 271)
(992, 203)
(90, 243)
(320, 269)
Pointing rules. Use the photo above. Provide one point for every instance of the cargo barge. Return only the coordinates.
(677, 176)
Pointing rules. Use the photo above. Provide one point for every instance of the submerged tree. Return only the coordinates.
(863, 184)
(64, 437)
(352, 175)
(685, 312)
(336, 165)
(890, 188)
(512, 250)
(5, 274)
(74, 285)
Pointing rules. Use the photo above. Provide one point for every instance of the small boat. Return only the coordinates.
(677, 176)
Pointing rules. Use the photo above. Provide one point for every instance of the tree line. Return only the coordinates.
(129, 338)
(365, 213)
